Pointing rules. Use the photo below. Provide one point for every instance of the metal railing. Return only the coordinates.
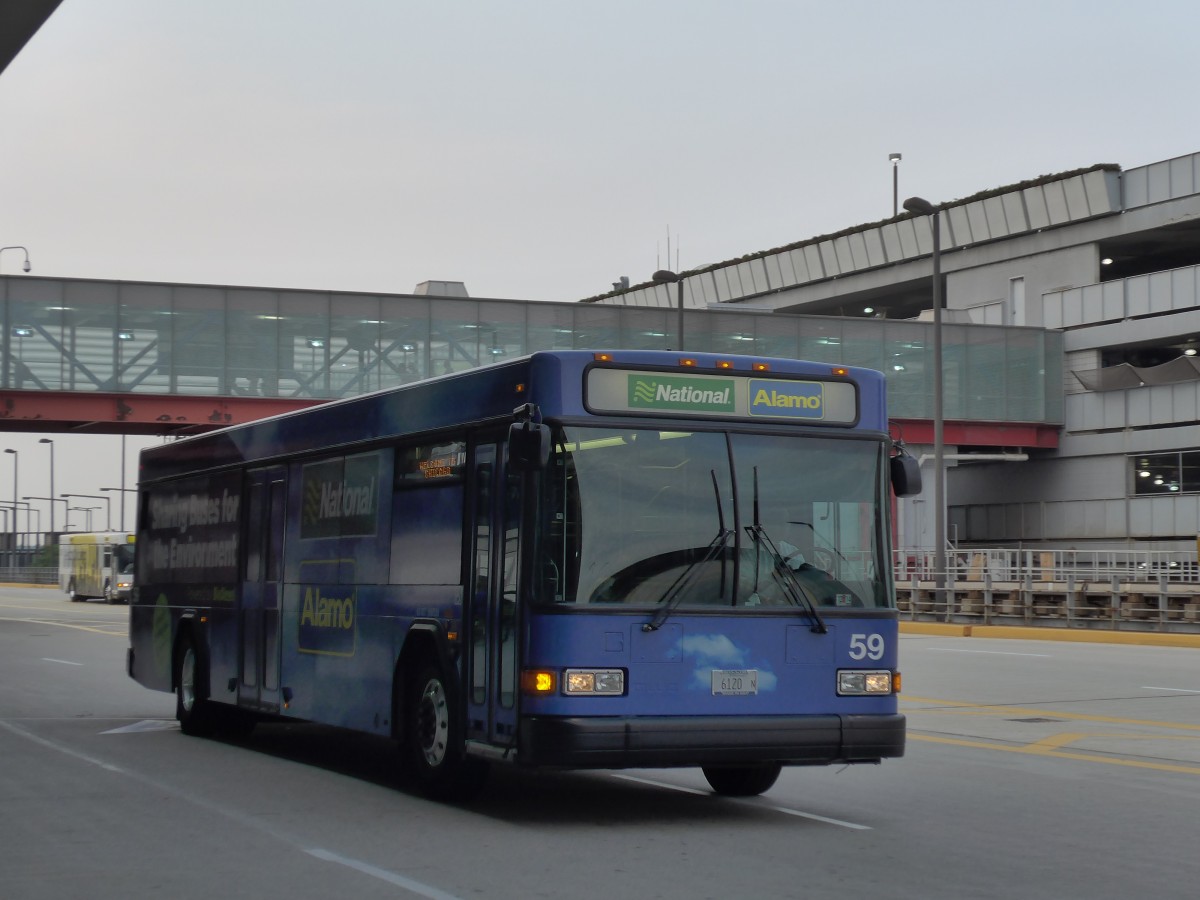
(28, 575)
(1115, 589)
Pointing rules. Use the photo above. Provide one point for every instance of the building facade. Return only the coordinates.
(1105, 257)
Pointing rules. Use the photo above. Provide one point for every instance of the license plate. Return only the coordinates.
(734, 682)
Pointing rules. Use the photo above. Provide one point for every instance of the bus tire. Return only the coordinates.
(191, 690)
(110, 596)
(71, 595)
(432, 739)
(742, 781)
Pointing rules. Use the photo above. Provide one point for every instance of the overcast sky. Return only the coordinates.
(540, 149)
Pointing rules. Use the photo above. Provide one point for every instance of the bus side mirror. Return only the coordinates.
(906, 475)
(528, 446)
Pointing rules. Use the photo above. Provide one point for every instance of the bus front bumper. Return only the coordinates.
(662, 741)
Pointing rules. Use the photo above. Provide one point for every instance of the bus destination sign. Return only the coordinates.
(733, 396)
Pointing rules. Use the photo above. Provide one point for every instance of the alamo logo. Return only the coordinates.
(700, 395)
(787, 399)
(327, 621)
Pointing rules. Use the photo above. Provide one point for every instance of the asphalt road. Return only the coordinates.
(1034, 769)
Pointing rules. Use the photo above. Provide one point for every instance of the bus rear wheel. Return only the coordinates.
(742, 781)
(191, 691)
(432, 740)
(71, 594)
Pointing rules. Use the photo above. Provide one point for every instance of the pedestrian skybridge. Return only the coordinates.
(141, 357)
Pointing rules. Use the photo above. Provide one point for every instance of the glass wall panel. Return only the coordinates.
(909, 369)
(732, 333)
(404, 340)
(252, 323)
(1024, 366)
(955, 382)
(304, 338)
(90, 320)
(597, 327)
(862, 344)
(986, 385)
(36, 336)
(144, 338)
(551, 326)
(775, 336)
(647, 329)
(196, 348)
(501, 331)
(354, 347)
(453, 335)
(820, 340)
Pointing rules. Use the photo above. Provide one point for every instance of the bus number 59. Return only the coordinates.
(866, 646)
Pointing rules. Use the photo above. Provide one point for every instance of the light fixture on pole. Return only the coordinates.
(25, 266)
(921, 207)
(123, 490)
(666, 276)
(51, 443)
(894, 159)
(108, 502)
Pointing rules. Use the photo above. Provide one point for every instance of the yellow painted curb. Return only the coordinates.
(1077, 635)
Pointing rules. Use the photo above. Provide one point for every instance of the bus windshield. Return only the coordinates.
(710, 519)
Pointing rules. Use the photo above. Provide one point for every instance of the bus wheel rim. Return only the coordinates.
(187, 681)
(433, 723)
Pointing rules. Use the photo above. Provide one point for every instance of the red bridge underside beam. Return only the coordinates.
(167, 414)
(1029, 436)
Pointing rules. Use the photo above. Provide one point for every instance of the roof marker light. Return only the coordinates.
(840, 370)
(761, 367)
(687, 363)
(602, 357)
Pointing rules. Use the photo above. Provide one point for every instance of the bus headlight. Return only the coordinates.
(854, 682)
(594, 681)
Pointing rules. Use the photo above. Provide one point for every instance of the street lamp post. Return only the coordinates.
(25, 266)
(894, 159)
(666, 276)
(51, 443)
(107, 500)
(13, 557)
(123, 490)
(922, 207)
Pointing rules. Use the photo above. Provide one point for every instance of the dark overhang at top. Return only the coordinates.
(19, 21)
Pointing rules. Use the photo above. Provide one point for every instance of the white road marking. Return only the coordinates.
(408, 884)
(145, 725)
(1176, 690)
(783, 809)
(243, 819)
(988, 652)
(65, 662)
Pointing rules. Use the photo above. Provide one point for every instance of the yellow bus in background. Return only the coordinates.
(96, 564)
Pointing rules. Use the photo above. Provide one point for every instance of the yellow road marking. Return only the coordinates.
(122, 633)
(1038, 750)
(978, 709)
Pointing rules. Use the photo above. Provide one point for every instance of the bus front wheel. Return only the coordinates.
(432, 740)
(742, 781)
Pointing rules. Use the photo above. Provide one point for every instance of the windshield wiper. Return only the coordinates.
(675, 593)
(783, 572)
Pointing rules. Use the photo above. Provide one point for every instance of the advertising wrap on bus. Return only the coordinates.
(190, 533)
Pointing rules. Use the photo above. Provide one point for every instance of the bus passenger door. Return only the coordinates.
(261, 589)
(491, 617)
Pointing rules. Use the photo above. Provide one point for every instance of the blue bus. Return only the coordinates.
(571, 560)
